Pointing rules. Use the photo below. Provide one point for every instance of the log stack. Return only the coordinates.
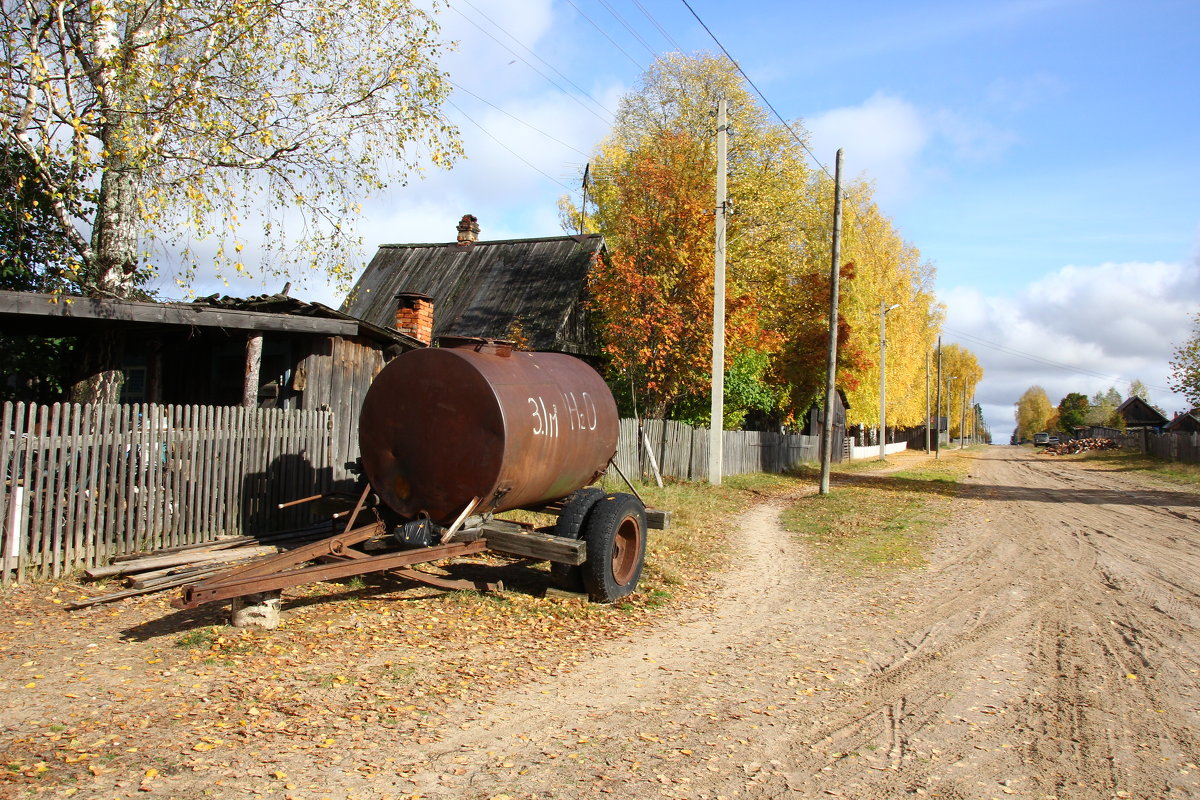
(1072, 446)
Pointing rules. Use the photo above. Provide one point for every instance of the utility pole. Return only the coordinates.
(883, 312)
(716, 426)
(962, 425)
(926, 402)
(938, 441)
(831, 366)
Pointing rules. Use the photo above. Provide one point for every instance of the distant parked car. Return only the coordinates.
(1053, 440)
(1041, 439)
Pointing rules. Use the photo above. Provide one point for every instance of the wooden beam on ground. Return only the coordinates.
(532, 544)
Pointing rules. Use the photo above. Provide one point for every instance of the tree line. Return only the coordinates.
(652, 192)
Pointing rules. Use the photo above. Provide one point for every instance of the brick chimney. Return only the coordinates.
(468, 230)
(414, 316)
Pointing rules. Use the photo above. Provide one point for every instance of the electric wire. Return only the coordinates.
(557, 72)
(518, 119)
(629, 28)
(666, 34)
(604, 33)
(758, 91)
(550, 80)
(492, 136)
(1048, 362)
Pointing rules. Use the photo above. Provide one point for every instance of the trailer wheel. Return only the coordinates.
(616, 547)
(570, 525)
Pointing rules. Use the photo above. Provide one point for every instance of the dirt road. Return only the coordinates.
(1049, 650)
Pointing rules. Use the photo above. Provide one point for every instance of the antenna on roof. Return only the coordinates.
(587, 170)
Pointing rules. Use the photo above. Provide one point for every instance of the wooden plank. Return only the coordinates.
(75, 488)
(90, 429)
(532, 544)
(7, 533)
(38, 479)
(29, 304)
(129, 463)
(58, 451)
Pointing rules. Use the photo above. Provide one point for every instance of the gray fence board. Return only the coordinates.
(98, 481)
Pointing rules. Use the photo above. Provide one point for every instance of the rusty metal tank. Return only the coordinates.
(478, 419)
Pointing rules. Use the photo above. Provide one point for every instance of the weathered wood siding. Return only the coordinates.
(85, 483)
(337, 374)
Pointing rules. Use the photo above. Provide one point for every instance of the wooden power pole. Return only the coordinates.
(831, 364)
(716, 426)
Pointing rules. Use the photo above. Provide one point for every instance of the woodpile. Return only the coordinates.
(170, 567)
(1071, 446)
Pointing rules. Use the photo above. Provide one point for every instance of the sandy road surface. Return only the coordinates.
(1050, 650)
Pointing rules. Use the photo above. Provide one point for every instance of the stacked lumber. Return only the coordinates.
(1071, 446)
(170, 567)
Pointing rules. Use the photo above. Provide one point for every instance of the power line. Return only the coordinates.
(521, 58)
(758, 91)
(604, 33)
(1048, 362)
(629, 28)
(661, 29)
(518, 119)
(506, 147)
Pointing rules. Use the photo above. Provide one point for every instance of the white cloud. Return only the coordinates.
(902, 147)
(1080, 329)
(883, 138)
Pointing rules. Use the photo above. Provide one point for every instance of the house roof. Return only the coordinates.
(1137, 413)
(33, 313)
(530, 289)
(1187, 422)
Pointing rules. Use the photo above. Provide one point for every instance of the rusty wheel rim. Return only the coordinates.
(626, 546)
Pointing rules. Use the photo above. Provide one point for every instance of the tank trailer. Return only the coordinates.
(454, 435)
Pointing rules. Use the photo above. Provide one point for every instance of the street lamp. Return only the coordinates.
(883, 312)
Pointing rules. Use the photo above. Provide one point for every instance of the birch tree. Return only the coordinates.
(1185, 367)
(184, 116)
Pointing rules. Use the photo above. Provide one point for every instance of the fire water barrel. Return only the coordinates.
(477, 419)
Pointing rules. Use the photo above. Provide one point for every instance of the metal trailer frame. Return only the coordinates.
(341, 559)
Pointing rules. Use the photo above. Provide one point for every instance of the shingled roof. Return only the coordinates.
(533, 290)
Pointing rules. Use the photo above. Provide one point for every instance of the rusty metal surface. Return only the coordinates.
(443, 425)
(222, 587)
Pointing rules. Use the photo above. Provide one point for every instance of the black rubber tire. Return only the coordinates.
(569, 577)
(615, 531)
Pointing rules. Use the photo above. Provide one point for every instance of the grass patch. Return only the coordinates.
(1175, 472)
(199, 638)
(871, 523)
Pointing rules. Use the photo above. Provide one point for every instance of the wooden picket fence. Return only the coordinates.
(1182, 447)
(681, 451)
(85, 483)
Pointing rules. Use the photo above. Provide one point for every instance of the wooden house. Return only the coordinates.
(1187, 422)
(312, 356)
(530, 291)
(1140, 415)
(816, 423)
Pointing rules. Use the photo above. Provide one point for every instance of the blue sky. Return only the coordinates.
(1041, 153)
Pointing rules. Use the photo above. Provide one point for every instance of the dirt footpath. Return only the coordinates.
(1050, 650)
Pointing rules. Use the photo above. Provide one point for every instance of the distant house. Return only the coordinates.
(312, 356)
(531, 291)
(816, 424)
(1140, 415)
(1187, 422)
